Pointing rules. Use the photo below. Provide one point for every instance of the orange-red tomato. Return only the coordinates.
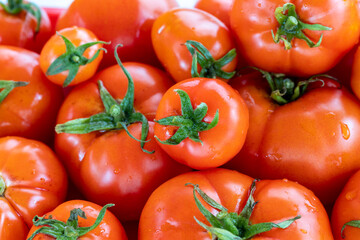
(219, 8)
(254, 21)
(346, 209)
(121, 22)
(109, 228)
(355, 75)
(28, 111)
(55, 47)
(220, 143)
(169, 213)
(32, 182)
(172, 29)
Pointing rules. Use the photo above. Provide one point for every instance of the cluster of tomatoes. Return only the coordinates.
(237, 119)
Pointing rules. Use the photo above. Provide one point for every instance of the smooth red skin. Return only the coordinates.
(347, 208)
(35, 181)
(220, 143)
(28, 111)
(219, 8)
(125, 22)
(172, 29)
(355, 74)
(109, 229)
(19, 30)
(123, 165)
(253, 33)
(53, 14)
(170, 210)
(55, 47)
(303, 141)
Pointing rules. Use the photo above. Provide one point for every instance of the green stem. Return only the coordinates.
(2, 186)
(354, 223)
(7, 86)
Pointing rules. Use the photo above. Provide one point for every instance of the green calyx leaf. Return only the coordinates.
(354, 223)
(117, 115)
(233, 226)
(2, 186)
(285, 89)
(190, 123)
(210, 68)
(69, 230)
(72, 59)
(16, 6)
(290, 27)
(7, 86)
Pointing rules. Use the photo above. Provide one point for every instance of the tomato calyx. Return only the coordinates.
(69, 230)
(190, 123)
(8, 86)
(210, 68)
(72, 59)
(291, 27)
(117, 115)
(2, 186)
(16, 6)
(354, 223)
(233, 226)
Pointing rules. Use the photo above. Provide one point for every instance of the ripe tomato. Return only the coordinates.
(110, 165)
(170, 211)
(347, 209)
(28, 110)
(109, 227)
(125, 22)
(171, 31)
(32, 182)
(199, 148)
(312, 140)
(254, 25)
(20, 29)
(219, 8)
(355, 74)
(69, 63)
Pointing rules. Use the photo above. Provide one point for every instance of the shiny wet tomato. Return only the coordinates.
(121, 22)
(201, 122)
(171, 210)
(219, 8)
(84, 215)
(28, 110)
(32, 182)
(174, 28)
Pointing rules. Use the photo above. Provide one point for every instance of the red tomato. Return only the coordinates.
(109, 228)
(253, 23)
(169, 213)
(125, 22)
(171, 31)
(32, 182)
(355, 74)
(313, 140)
(76, 65)
(218, 144)
(347, 209)
(110, 166)
(20, 29)
(219, 8)
(28, 111)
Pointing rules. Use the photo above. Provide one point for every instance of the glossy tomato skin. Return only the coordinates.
(35, 182)
(219, 8)
(347, 208)
(55, 47)
(28, 111)
(19, 30)
(313, 140)
(172, 29)
(110, 227)
(355, 74)
(112, 160)
(122, 22)
(169, 212)
(220, 143)
(254, 38)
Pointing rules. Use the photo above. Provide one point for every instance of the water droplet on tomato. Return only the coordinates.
(303, 231)
(33, 172)
(350, 195)
(345, 131)
(42, 179)
(116, 171)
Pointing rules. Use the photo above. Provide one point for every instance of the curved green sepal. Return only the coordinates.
(7, 86)
(69, 230)
(290, 27)
(2, 186)
(354, 223)
(190, 123)
(72, 59)
(210, 68)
